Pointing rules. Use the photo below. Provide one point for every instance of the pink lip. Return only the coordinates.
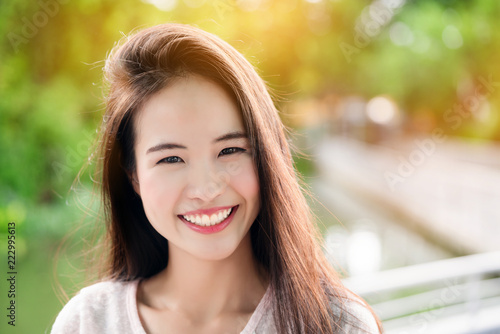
(207, 212)
(211, 229)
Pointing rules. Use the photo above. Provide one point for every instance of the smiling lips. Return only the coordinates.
(209, 217)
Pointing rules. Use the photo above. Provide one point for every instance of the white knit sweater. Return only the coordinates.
(111, 307)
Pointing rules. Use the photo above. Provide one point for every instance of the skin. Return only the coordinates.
(212, 283)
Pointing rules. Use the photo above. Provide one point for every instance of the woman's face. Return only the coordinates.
(194, 163)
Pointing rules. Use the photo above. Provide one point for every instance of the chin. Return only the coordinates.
(220, 250)
(216, 254)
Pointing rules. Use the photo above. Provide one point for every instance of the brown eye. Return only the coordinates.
(231, 150)
(169, 160)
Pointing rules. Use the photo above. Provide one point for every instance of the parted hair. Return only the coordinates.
(284, 238)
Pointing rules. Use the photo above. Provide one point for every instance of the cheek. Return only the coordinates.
(158, 194)
(246, 181)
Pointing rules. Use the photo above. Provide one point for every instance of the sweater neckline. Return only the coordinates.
(135, 321)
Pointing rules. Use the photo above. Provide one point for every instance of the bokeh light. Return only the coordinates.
(381, 110)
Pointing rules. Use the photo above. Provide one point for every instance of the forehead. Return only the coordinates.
(188, 108)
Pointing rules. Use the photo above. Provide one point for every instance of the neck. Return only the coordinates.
(207, 289)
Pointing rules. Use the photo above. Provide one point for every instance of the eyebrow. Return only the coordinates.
(169, 146)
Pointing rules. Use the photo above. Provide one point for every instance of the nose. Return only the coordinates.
(206, 182)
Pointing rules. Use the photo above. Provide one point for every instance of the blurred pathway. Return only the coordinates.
(448, 192)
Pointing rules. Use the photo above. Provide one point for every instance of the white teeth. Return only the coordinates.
(204, 220)
(213, 219)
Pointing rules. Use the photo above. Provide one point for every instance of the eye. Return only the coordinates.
(231, 150)
(169, 160)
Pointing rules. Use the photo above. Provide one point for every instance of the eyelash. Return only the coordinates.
(235, 150)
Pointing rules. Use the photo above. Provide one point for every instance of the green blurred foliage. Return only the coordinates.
(52, 54)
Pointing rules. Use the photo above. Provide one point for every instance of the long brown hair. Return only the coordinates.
(284, 238)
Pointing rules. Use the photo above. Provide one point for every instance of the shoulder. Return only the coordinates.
(364, 317)
(96, 308)
(350, 314)
(354, 315)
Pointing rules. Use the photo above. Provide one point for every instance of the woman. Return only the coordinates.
(207, 226)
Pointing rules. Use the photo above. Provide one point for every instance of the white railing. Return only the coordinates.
(458, 295)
